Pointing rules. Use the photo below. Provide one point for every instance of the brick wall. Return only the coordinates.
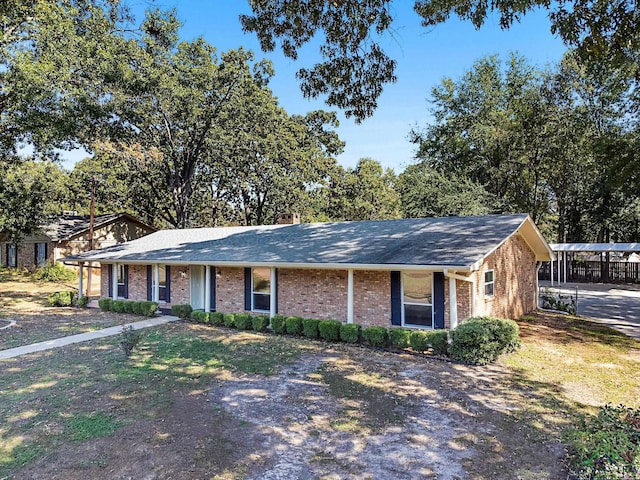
(230, 290)
(313, 293)
(372, 298)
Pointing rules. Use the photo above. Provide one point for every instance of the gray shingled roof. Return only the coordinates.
(64, 227)
(447, 241)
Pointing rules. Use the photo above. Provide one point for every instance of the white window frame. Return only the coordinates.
(160, 286)
(12, 254)
(412, 325)
(253, 292)
(124, 281)
(492, 283)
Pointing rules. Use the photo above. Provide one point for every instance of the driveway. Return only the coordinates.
(616, 305)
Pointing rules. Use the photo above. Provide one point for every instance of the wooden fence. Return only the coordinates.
(593, 271)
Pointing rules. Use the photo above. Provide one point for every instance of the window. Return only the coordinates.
(261, 289)
(41, 254)
(417, 299)
(488, 283)
(121, 281)
(12, 256)
(162, 283)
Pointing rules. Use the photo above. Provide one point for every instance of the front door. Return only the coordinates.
(196, 273)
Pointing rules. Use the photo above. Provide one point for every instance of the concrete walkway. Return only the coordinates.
(83, 337)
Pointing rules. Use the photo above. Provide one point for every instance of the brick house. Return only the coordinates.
(424, 273)
(67, 235)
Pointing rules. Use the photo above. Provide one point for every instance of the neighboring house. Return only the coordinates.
(68, 235)
(425, 273)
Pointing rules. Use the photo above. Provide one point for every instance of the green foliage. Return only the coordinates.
(82, 302)
(118, 306)
(129, 339)
(229, 320)
(200, 316)
(243, 321)
(310, 327)
(439, 340)
(558, 301)
(181, 310)
(436, 340)
(54, 272)
(376, 336)
(93, 425)
(607, 446)
(216, 318)
(148, 309)
(128, 306)
(278, 324)
(105, 304)
(293, 325)
(399, 337)
(329, 330)
(260, 323)
(480, 341)
(61, 299)
(350, 332)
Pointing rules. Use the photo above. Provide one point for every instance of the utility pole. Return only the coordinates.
(92, 209)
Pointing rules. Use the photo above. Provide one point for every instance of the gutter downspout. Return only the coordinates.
(453, 301)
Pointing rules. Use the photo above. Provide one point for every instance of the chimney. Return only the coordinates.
(288, 219)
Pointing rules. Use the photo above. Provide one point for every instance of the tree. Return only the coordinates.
(355, 68)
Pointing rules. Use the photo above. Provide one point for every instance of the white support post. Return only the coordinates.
(552, 271)
(80, 286)
(115, 281)
(350, 296)
(207, 288)
(453, 304)
(564, 255)
(156, 283)
(272, 293)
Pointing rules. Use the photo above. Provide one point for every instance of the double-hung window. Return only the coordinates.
(41, 254)
(417, 299)
(162, 283)
(488, 283)
(261, 289)
(121, 281)
(12, 256)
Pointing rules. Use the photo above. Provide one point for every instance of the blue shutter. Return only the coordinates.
(126, 281)
(149, 283)
(167, 289)
(35, 254)
(247, 289)
(110, 278)
(438, 299)
(276, 291)
(212, 291)
(396, 299)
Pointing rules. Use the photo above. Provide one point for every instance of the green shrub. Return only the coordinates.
(82, 302)
(399, 337)
(148, 309)
(117, 306)
(200, 316)
(310, 327)
(260, 323)
(329, 330)
(607, 446)
(376, 336)
(293, 325)
(350, 332)
(55, 272)
(105, 304)
(419, 340)
(440, 341)
(243, 321)
(137, 307)
(229, 320)
(61, 299)
(181, 310)
(128, 306)
(480, 341)
(278, 324)
(215, 318)
(423, 340)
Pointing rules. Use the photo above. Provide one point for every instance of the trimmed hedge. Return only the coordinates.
(181, 310)
(105, 304)
(399, 337)
(61, 299)
(216, 318)
(329, 330)
(243, 321)
(293, 325)
(82, 302)
(200, 316)
(278, 324)
(440, 342)
(310, 327)
(147, 309)
(480, 341)
(229, 320)
(376, 336)
(350, 332)
(260, 323)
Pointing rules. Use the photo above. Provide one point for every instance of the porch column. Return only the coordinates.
(350, 296)
(207, 288)
(115, 281)
(453, 304)
(272, 293)
(155, 296)
(80, 286)
(551, 271)
(564, 255)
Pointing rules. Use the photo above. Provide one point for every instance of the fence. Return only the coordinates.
(593, 271)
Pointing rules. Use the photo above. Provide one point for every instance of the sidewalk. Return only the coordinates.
(83, 337)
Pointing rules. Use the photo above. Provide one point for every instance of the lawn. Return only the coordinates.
(195, 401)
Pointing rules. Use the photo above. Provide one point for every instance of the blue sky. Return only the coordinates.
(424, 57)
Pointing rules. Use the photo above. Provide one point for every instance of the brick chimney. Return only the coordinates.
(288, 219)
